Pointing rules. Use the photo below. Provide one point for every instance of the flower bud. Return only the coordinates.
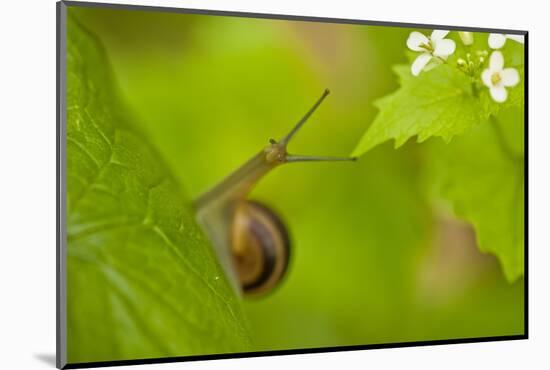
(466, 37)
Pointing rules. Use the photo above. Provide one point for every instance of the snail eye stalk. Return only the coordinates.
(305, 158)
(284, 141)
(312, 158)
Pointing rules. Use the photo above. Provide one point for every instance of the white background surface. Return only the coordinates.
(27, 182)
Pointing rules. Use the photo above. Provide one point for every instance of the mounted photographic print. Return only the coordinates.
(235, 184)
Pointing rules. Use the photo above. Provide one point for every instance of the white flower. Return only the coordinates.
(497, 40)
(466, 37)
(497, 78)
(434, 46)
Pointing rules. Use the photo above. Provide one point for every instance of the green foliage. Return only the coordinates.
(483, 182)
(142, 280)
(436, 103)
(440, 103)
(483, 176)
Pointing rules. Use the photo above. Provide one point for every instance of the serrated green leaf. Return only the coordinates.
(483, 177)
(142, 281)
(445, 102)
(442, 102)
(435, 103)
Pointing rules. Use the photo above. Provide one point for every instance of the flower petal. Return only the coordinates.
(517, 38)
(496, 40)
(486, 77)
(466, 37)
(499, 93)
(419, 63)
(431, 65)
(444, 47)
(496, 61)
(415, 40)
(438, 34)
(510, 77)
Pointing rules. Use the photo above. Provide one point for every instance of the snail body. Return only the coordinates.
(251, 240)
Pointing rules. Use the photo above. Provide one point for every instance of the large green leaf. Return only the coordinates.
(483, 176)
(142, 280)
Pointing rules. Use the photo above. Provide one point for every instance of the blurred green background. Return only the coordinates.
(376, 257)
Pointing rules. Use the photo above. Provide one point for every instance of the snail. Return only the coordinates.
(250, 238)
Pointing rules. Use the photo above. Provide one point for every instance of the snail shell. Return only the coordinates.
(260, 247)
